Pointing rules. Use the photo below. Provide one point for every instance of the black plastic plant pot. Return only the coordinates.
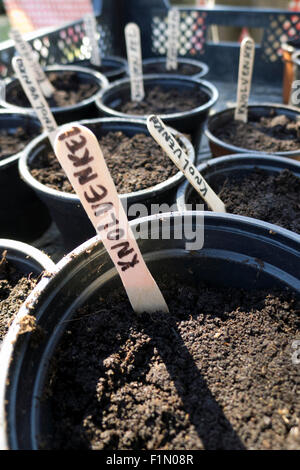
(66, 209)
(26, 258)
(220, 148)
(237, 252)
(23, 216)
(83, 110)
(190, 67)
(112, 67)
(190, 122)
(217, 170)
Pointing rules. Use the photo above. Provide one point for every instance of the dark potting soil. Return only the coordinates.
(161, 101)
(271, 198)
(215, 373)
(182, 69)
(135, 163)
(14, 289)
(13, 141)
(68, 91)
(269, 134)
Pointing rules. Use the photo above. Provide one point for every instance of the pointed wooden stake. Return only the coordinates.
(29, 56)
(247, 53)
(168, 143)
(134, 57)
(80, 155)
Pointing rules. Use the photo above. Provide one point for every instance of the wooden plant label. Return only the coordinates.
(35, 96)
(134, 57)
(80, 155)
(166, 140)
(28, 54)
(90, 25)
(247, 53)
(173, 35)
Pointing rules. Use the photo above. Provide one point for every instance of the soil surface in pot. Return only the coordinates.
(161, 101)
(215, 373)
(269, 134)
(135, 163)
(182, 69)
(69, 90)
(272, 198)
(14, 289)
(13, 141)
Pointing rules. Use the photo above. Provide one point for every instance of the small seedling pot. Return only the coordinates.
(158, 65)
(26, 258)
(189, 122)
(81, 110)
(23, 216)
(112, 67)
(66, 208)
(216, 171)
(219, 147)
(237, 252)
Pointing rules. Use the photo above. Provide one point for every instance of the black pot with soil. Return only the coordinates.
(22, 214)
(181, 102)
(76, 91)
(189, 67)
(271, 128)
(215, 373)
(263, 187)
(21, 266)
(112, 67)
(142, 172)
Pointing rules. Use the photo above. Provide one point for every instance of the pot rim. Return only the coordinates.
(123, 67)
(7, 161)
(203, 84)
(202, 66)
(27, 251)
(142, 193)
(211, 137)
(96, 76)
(242, 158)
(237, 224)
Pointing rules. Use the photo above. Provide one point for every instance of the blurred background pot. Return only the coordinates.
(23, 216)
(84, 109)
(189, 122)
(156, 65)
(66, 209)
(112, 67)
(217, 121)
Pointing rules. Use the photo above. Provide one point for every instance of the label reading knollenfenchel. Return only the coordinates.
(80, 155)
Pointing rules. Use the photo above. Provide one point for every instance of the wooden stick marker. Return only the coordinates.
(247, 53)
(80, 155)
(29, 55)
(90, 26)
(134, 57)
(166, 140)
(35, 96)
(173, 35)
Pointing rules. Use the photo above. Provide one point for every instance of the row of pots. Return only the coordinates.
(30, 219)
(237, 252)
